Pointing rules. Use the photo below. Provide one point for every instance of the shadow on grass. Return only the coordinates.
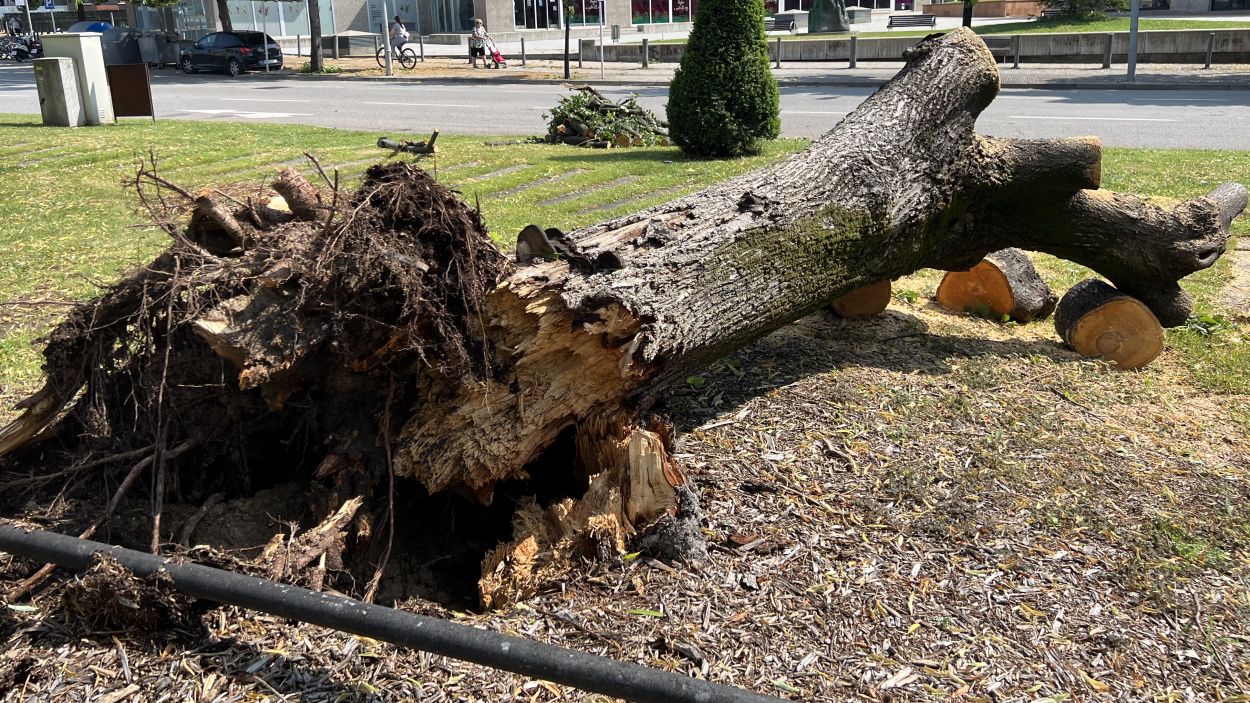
(893, 341)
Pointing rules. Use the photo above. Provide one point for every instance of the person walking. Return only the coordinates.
(14, 25)
(398, 34)
(477, 44)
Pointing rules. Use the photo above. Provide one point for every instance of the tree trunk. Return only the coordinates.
(314, 31)
(1097, 320)
(223, 15)
(465, 390)
(968, 4)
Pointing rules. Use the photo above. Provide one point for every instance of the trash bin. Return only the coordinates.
(616, 32)
(121, 45)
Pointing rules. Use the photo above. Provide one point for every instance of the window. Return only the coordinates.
(1222, 5)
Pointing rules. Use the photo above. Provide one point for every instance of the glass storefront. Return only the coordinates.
(1225, 5)
(537, 14)
(662, 11)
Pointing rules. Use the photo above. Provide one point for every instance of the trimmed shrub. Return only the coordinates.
(1085, 9)
(723, 98)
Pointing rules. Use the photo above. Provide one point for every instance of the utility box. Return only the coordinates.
(616, 33)
(93, 86)
(59, 101)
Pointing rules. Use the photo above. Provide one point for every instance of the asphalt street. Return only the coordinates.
(1207, 119)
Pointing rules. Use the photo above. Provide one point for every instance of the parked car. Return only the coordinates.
(232, 52)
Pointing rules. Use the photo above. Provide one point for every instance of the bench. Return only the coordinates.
(1000, 46)
(912, 21)
(1051, 14)
(772, 24)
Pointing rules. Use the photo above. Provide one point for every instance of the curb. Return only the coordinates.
(1059, 84)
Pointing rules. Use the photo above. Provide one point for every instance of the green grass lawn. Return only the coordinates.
(69, 226)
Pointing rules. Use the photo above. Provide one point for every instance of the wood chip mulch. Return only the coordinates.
(918, 507)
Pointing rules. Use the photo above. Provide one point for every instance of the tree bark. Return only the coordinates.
(1004, 283)
(586, 335)
(314, 31)
(223, 16)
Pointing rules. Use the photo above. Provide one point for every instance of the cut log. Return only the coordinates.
(1097, 320)
(863, 302)
(414, 347)
(1004, 283)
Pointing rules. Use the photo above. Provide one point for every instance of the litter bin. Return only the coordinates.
(616, 32)
(121, 45)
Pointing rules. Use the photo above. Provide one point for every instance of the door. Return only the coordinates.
(225, 48)
(202, 52)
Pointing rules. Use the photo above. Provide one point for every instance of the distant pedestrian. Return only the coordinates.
(399, 34)
(14, 25)
(477, 44)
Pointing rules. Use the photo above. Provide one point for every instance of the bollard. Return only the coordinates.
(1106, 50)
(299, 47)
(854, 50)
(421, 44)
(646, 52)
(375, 44)
(778, 52)
(579, 53)
(523, 60)
(1015, 44)
(336, 46)
(1210, 48)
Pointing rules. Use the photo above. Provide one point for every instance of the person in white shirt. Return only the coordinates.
(14, 25)
(398, 34)
(477, 44)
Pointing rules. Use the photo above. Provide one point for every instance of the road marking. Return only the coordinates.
(262, 100)
(421, 104)
(1091, 119)
(249, 115)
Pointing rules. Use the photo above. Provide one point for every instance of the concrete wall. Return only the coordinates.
(1173, 46)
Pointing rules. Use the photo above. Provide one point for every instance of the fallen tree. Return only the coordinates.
(378, 335)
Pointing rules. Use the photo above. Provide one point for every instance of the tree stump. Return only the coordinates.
(1003, 283)
(1097, 320)
(863, 302)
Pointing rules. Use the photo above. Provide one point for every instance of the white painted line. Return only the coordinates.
(262, 100)
(1091, 119)
(250, 115)
(421, 104)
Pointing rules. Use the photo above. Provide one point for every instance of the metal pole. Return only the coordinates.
(1015, 44)
(602, 7)
(778, 52)
(299, 47)
(386, 36)
(854, 51)
(646, 50)
(1132, 40)
(522, 51)
(522, 656)
(1106, 50)
(1210, 48)
(421, 43)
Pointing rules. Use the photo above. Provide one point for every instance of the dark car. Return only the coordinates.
(232, 52)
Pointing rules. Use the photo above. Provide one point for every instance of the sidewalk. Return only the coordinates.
(1051, 76)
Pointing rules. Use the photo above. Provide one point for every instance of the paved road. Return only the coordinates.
(1215, 119)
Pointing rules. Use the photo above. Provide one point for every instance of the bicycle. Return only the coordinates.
(405, 56)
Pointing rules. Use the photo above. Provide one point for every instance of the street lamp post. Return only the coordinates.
(1132, 40)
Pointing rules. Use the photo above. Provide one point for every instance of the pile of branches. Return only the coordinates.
(588, 119)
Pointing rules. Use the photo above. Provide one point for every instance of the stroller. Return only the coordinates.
(496, 58)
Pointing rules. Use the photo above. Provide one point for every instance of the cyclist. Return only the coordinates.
(399, 35)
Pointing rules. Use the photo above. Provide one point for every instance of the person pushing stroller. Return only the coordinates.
(477, 44)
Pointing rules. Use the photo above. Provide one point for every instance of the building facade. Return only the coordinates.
(193, 18)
